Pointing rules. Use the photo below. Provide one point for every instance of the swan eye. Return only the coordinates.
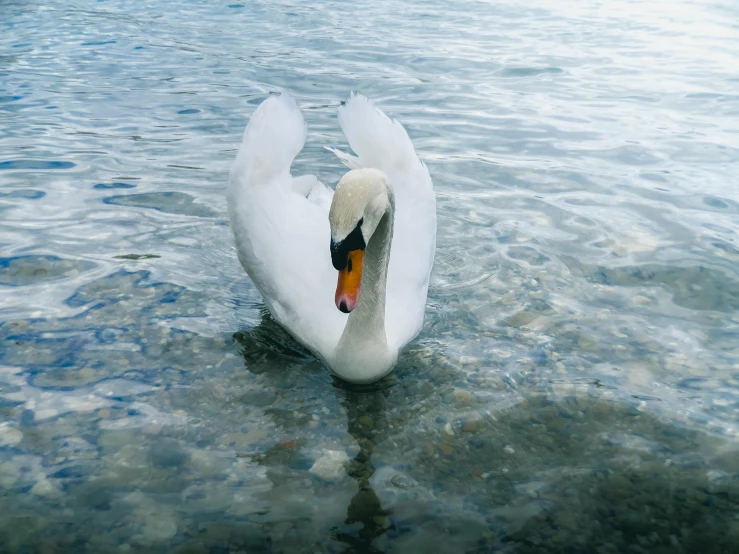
(349, 265)
(340, 250)
(359, 223)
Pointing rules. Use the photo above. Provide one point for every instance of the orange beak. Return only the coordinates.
(350, 279)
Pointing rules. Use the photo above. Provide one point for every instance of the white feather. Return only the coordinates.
(383, 143)
(282, 238)
(352, 162)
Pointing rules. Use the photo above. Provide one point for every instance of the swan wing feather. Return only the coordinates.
(384, 144)
(281, 228)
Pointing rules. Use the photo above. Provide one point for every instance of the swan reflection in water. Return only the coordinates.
(267, 349)
(367, 423)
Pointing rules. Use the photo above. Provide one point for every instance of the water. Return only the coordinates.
(575, 386)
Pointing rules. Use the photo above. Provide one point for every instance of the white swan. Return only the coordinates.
(378, 230)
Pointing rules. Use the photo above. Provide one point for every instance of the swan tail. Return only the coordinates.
(275, 134)
(378, 141)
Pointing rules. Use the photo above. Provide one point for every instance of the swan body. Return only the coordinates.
(378, 230)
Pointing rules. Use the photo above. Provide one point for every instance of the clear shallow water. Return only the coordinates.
(575, 386)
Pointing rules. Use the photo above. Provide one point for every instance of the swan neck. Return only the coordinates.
(364, 333)
(370, 310)
(362, 354)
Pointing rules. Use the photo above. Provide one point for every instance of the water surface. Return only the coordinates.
(576, 384)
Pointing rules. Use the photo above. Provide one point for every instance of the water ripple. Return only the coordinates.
(580, 350)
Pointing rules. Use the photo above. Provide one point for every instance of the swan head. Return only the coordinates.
(361, 199)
